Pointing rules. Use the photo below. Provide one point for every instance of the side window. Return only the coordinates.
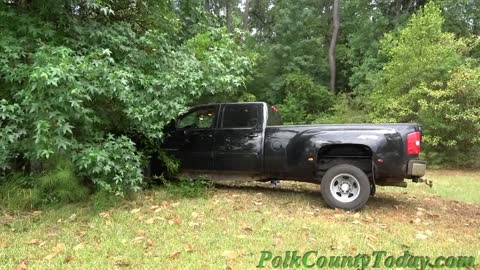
(200, 118)
(240, 116)
(274, 118)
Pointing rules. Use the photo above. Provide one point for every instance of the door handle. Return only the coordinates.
(252, 135)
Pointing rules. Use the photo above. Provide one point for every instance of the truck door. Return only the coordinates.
(239, 138)
(192, 139)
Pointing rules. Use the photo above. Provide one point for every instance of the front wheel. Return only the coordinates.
(346, 187)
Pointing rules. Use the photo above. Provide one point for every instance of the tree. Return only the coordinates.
(228, 14)
(246, 15)
(427, 80)
(333, 44)
(90, 85)
(292, 48)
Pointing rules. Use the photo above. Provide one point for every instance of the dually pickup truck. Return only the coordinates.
(247, 141)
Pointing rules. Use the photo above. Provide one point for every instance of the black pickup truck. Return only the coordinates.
(247, 141)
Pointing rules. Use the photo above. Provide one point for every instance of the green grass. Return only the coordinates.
(234, 223)
(450, 184)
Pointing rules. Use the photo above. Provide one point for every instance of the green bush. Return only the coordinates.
(16, 192)
(68, 78)
(450, 115)
(59, 186)
(430, 79)
(112, 164)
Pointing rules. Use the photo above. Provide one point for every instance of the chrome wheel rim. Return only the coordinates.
(345, 187)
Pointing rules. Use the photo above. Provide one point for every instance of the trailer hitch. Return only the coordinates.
(421, 180)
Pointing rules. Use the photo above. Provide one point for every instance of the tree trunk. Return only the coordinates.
(333, 45)
(228, 12)
(245, 15)
(207, 6)
(216, 8)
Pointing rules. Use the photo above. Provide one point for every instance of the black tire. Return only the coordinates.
(337, 197)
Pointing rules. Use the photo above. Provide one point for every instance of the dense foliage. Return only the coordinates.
(83, 79)
(397, 61)
(94, 82)
(428, 78)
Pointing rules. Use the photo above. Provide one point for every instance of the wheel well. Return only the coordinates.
(354, 154)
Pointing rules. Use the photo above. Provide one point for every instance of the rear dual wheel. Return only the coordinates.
(346, 187)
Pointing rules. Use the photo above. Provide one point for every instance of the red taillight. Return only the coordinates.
(413, 143)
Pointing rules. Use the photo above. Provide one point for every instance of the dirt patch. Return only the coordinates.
(383, 207)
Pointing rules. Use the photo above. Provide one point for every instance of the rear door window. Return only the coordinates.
(241, 116)
(274, 118)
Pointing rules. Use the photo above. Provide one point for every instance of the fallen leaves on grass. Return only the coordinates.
(229, 254)
(138, 239)
(149, 242)
(371, 238)
(174, 255)
(59, 247)
(416, 221)
(278, 240)
(73, 217)
(3, 245)
(382, 226)
(368, 219)
(175, 220)
(23, 265)
(150, 221)
(193, 224)
(258, 203)
(50, 256)
(189, 248)
(136, 210)
(248, 229)
(68, 259)
(424, 235)
(104, 214)
(34, 242)
(122, 263)
(336, 246)
(421, 236)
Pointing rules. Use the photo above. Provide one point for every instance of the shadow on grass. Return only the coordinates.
(304, 192)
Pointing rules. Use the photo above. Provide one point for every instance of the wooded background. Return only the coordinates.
(88, 85)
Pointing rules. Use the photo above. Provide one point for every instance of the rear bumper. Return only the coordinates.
(416, 168)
